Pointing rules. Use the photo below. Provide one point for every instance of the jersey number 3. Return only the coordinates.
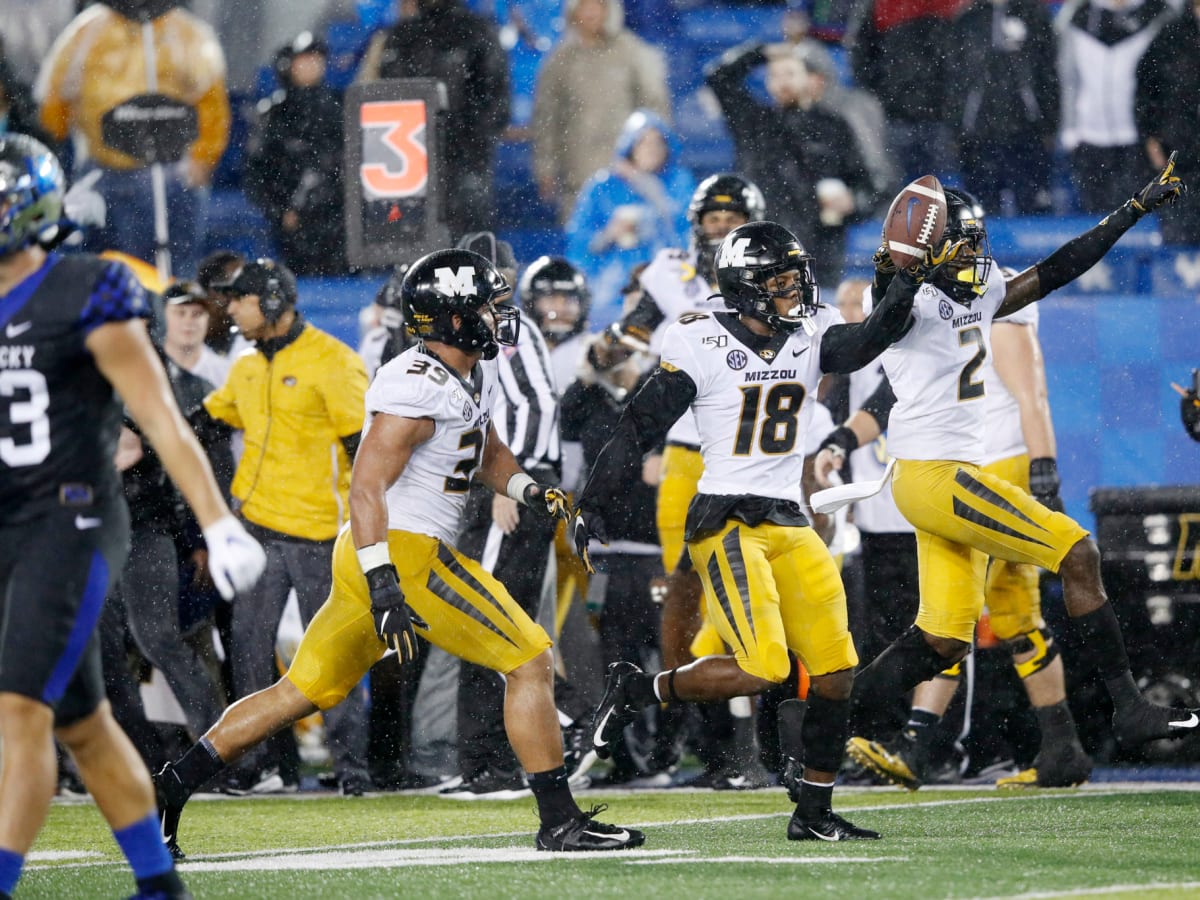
(780, 409)
(31, 412)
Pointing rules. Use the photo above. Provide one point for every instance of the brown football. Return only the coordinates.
(915, 220)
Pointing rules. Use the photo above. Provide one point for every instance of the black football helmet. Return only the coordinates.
(31, 191)
(721, 191)
(547, 276)
(753, 254)
(965, 276)
(449, 283)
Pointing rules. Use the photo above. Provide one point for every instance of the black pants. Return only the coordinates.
(519, 560)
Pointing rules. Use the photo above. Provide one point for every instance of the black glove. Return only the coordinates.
(935, 258)
(1166, 188)
(584, 527)
(1189, 411)
(548, 500)
(883, 261)
(1044, 482)
(394, 620)
(841, 440)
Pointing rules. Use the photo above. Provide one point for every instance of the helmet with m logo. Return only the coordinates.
(445, 296)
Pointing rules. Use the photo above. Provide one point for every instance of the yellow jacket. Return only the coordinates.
(98, 63)
(294, 476)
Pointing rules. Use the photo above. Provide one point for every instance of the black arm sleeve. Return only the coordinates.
(1079, 254)
(847, 348)
(351, 442)
(879, 404)
(644, 423)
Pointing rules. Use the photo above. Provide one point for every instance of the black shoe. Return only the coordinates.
(353, 785)
(828, 826)
(578, 755)
(169, 797)
(614, 711)
(793, 774)
(584, 833)
(490, 784)
(1144, 721)
(243, 783)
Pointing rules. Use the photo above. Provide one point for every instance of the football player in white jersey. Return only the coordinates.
(396, 574)
(963, 514)
(770, 585)
(1019, 447)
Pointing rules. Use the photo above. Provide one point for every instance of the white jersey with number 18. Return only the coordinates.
(754, 400)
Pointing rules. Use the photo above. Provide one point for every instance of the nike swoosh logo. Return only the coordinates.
(1191, 722)
(823, 837)
(83, 524)
(621, 835)
(796, 353)
(597, 738)
(12, 331)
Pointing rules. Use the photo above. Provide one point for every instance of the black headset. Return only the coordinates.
(273, 301)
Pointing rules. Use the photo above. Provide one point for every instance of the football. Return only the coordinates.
(915, 221)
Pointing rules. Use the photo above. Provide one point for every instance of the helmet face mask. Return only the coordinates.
(551, 289)
(31, 191)
(753, 266)
(726, 192)
(964, 277)
(455, 297)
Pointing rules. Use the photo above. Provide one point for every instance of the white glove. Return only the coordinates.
(235, 559)
(83, 204)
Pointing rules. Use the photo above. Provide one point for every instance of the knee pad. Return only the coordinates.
(1041, 642)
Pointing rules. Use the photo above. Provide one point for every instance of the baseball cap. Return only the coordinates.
(182, 292)
(256, 277)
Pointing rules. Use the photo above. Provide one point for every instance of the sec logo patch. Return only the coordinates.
(736, 360)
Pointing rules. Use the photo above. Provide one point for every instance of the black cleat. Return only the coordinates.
(828, 826)
(614, 711)
(169, 797)
(1145, 721)
(584, 833)
(1060, 767)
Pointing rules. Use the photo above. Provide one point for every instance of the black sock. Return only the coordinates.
(196, 767)
(1103, 647)
(1123, 690)
(814, 799)
(553, 796)
(920, 726)
(1057, 725)
(639, 689)
(165, 884)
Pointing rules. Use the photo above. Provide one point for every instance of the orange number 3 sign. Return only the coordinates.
(395, 159)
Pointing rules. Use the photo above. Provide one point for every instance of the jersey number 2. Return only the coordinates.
(969, 389)
(31, 412)
(778, 433)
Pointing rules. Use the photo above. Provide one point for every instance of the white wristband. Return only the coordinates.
(374, 556)
(516, 486)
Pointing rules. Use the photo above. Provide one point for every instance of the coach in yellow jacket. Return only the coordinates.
(298, 398)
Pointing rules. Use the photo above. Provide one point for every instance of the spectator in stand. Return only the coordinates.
(903, 52)
(1168, 83)
(294, 161)
(98, 63)
(1007, 116)
(629, 211)
(1100, 43)
(442, 39)
(804, 157)
(299, 398)
(592, 82)
(18, 112)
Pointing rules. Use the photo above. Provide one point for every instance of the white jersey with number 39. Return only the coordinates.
(429, 495)
(754, 400)
(937, 374)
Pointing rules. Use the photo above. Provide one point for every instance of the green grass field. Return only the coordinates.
(1104, 840)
